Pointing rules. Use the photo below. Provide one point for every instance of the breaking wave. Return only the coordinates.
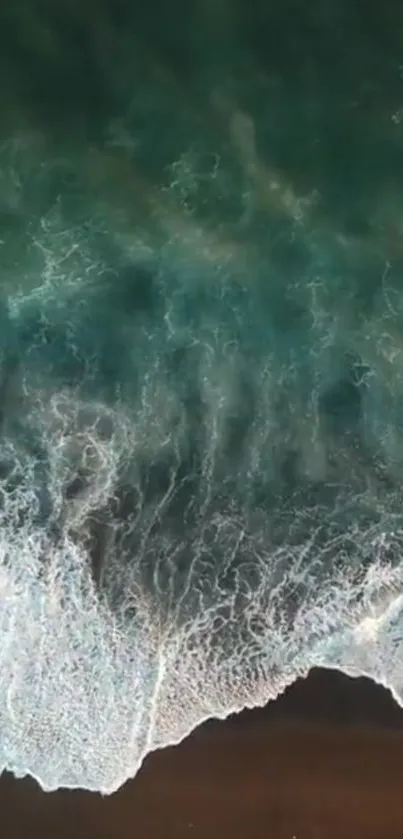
(200, 444)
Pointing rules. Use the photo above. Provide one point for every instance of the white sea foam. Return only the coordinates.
(86, 693)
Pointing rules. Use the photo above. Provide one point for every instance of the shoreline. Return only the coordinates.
(275, 773)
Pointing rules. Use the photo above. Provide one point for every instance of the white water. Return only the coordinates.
(216, 604)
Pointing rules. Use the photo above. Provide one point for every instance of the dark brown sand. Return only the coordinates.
(271, 774)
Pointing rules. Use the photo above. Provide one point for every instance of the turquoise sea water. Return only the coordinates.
(201, 356)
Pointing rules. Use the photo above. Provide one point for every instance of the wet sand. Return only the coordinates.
(324, 762)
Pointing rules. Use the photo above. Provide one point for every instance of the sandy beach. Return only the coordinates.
(271, 774)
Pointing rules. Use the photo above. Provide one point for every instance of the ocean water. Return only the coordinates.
(201, 368)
